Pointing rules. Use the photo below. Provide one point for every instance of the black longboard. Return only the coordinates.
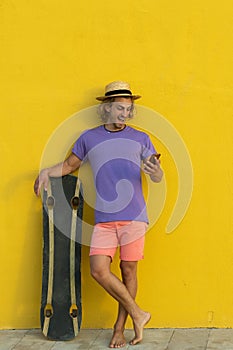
(61, 308)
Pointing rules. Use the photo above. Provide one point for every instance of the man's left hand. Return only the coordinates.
(153, 169)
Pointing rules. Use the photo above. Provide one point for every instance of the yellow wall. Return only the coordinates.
(56, 56)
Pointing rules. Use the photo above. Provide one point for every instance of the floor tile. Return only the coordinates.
(34, 340)
(220, 339)
(84, 340)
(102, 341)
(189, 339)
(9, 338)
(155, 339)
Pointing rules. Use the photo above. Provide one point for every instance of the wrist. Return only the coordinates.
(157, 176)
(44, 172)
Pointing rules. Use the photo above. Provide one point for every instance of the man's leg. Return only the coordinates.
(100, 270)
(129, 278)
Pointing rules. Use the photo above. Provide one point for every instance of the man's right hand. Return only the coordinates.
(42, 179)
(71, 164)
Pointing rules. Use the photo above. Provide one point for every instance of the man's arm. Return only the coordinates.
(71, 164)
(153, 169)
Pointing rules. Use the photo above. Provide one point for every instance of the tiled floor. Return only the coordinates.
(98, 339)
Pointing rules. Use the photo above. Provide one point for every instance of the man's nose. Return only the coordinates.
(125, 113)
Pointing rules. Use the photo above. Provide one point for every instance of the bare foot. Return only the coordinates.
(138, 328)
(118, 339)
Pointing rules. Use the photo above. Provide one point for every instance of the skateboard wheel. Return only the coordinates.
(50, 202)
(48, 311)
(73, 311)
(75, 203)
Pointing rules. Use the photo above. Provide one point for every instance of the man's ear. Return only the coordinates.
(108, 107)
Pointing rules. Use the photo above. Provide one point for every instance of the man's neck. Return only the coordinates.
(114, 126)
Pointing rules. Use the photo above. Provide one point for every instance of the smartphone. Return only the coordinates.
(153, 156)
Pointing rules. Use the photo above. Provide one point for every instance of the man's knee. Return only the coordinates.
(128, 269)
(99, 270)
(95, 273)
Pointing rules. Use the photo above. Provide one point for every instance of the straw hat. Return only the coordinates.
(117, 89)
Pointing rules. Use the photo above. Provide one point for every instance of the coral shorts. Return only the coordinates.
(129, 235)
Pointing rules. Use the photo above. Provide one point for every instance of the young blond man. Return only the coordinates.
(115, 152)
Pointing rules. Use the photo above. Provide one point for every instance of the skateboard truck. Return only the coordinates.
(74, 311)
(75, 202)
(48, 311)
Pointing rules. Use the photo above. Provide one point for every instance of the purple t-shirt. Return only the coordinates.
(115, 159)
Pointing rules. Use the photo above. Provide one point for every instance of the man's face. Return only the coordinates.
(119, 110)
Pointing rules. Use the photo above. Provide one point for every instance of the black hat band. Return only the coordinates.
(118, 92)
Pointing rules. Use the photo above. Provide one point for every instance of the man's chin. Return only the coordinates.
(119, 125)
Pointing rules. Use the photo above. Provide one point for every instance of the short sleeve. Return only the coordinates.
(79, 148)
(147, 148)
